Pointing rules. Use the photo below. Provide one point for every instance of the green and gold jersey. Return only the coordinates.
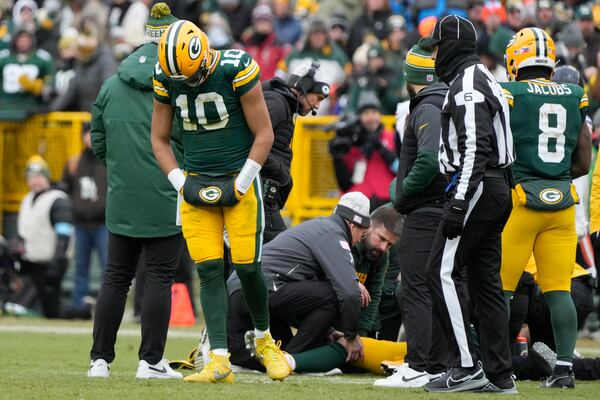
(545, 119)
(15, 101)
(216, 136)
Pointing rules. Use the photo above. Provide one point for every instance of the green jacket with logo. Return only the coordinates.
(140, 201)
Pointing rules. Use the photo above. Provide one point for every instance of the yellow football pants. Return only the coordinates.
(552, 238)
(377, 351)
(203, 228)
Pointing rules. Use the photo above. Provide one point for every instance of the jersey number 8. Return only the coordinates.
(548, 132)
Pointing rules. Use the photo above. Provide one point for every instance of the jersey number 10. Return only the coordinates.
(552, 132)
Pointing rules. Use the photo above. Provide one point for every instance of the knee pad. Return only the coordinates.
(210, 270)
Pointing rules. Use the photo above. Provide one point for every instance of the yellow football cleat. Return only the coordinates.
(218, 370)
(272, 358)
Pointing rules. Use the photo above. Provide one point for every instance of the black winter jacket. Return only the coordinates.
(282, 104)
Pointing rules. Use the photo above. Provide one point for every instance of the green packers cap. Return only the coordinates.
(158, 22)
(584, 12)
(419, 67)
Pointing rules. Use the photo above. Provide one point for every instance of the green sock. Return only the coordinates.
(255, 293)
(213, 298)
(564, 323)
(321, 359)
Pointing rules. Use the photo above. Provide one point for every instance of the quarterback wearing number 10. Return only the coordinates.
(218, 103)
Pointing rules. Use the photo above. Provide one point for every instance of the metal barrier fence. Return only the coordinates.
(315, 191)
(55, 136)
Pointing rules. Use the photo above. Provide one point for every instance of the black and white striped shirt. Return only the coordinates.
(476, 131)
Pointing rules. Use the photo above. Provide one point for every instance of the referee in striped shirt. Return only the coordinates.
(475, 153)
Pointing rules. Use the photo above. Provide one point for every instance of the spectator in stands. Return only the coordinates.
(514, 16)
(339, 31)
(319, 46)
(545, 17)
(591, 35)
(350, 9)
(84, 180)
(426, 8)
(569, 48)
(82, 13)
(239, 13)
(126, 20)
(24, 72)
(387, 83)
(218, 31)
(4, 24)
(474, 12)
(397, 42)
(65, 64)
(260, 42)
(95, 63)
(23, 16)
(372, 22)
(288, 28)
(363, 153)
(45, 226)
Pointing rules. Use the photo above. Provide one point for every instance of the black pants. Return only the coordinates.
(419, 230)
(585, 369)
(468, 267)
(274, 223)
(47, 279)
(162, 256)
(310, 307)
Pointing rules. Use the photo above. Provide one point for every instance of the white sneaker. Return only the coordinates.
(404, 377)
(160, 370)
(98, 369)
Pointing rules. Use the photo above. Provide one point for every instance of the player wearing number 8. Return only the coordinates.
(552, 146)
(218, 103)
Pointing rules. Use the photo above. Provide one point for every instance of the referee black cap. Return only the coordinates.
(451, 27)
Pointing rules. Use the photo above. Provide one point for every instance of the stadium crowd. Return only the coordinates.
(360, 60)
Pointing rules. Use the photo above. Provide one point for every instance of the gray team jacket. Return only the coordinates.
(316, 250)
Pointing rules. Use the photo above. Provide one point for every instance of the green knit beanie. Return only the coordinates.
(158, 22)
(419, 67)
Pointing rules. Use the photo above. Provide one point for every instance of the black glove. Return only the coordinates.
(340, 145)
(453, 219)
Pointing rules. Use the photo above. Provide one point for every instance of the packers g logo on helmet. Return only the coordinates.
(184, 52)
(529, 47)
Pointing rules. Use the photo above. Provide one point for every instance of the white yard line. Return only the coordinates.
(84, 330)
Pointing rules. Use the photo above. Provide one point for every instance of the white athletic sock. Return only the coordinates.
(290, 360)
(220, 352)
(260, 334)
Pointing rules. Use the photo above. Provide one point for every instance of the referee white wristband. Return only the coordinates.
(244, 179)
(177, 178)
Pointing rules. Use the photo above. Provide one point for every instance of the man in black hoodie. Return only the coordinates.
(301, 94)
(476, 152)
(419, 196)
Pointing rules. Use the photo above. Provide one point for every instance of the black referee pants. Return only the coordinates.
(468, 267)
(162, 256)
(415, 244)
(310, 307)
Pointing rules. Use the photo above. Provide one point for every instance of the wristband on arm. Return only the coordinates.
(244, 179)
(177, 179)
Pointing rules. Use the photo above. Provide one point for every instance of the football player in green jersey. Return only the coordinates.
(217, 100)
(553, 146)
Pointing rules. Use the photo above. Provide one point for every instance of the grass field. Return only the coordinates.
(48, 360)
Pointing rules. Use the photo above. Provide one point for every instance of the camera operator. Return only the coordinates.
(363, 153)
(301, 94)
